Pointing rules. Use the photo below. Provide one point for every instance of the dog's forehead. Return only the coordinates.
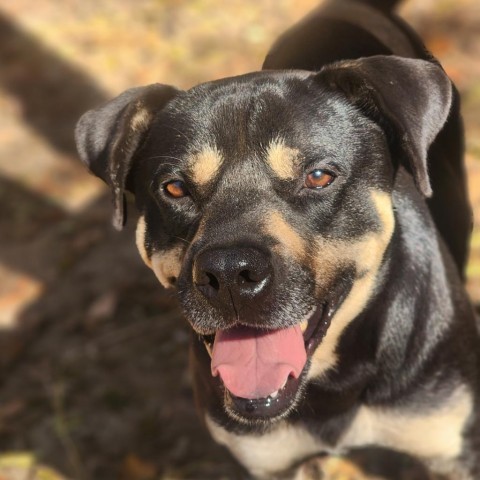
(268, 116)
(241, 136)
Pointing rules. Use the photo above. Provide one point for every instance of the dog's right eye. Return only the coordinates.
(318, 179)
(176, 189)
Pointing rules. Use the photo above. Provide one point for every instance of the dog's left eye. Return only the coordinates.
(176, 189)
(319, 178)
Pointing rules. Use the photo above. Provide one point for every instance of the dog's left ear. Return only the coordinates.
(108, 137)
(409, 98)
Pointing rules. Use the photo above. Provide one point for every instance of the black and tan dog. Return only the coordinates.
(292, 210)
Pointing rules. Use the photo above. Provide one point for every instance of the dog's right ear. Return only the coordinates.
(108, 137)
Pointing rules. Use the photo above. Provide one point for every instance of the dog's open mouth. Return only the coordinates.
(263, 370)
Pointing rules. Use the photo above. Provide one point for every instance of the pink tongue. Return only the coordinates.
(254, 363)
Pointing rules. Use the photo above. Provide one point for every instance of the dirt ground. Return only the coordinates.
(94, 382)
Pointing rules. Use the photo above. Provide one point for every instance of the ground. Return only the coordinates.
(94, 382)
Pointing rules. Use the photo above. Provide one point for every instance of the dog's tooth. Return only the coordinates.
(208, 347)
(284, 383)
(274, 394)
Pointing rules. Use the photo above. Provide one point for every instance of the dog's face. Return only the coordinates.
(265, 201)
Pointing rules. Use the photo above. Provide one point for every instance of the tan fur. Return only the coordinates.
(331, 467)
(140, 240)
(291, 242)
(282, 159)
(434, 435)
(140, 119)
(367, 253)
(205, 164)
(167, 264)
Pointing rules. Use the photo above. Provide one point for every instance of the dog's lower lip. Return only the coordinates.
(273, 406)
(317, 328)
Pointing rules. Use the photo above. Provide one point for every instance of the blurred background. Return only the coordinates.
(93, 353)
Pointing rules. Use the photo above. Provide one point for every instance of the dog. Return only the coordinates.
(313, 220)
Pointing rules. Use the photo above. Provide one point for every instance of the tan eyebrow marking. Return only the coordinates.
(280, 229)
(282, 159)
(205, 164)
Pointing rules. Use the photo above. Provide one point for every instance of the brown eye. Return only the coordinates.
(176, 189)
(319, 179)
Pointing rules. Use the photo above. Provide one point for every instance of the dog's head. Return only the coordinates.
(265, 201)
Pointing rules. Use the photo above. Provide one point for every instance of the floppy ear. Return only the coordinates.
(409, 98)
(108, 137)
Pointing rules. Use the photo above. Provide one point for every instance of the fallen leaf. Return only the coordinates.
(135, 468)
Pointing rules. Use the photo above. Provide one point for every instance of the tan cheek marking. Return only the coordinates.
(205, 164)
(277, 227)
(167, 264)
(367, 253)
(282, 159)
(434, 435)
(140, 240)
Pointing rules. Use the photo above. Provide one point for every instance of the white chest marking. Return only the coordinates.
(435, 435)
(272, 452)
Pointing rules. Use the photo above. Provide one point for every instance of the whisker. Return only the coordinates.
(183, 240)
(176, 130)
(166, 156)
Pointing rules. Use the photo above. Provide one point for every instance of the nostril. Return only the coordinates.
(208, 284)
(246, 276)
(206, 279)
(212, 281)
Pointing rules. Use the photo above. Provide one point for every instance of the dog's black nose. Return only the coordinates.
(224, 275)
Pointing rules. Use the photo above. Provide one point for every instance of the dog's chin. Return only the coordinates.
(280, 403)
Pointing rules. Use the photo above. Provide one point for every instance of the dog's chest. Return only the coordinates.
(435, 433)
(272, 452)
